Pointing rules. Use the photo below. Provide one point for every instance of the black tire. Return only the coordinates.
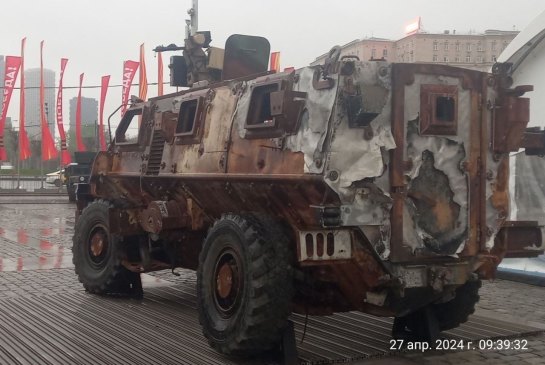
(441, 316)
(57, 183)
(71, 193)
(245, 315)
(457, 311)
(97, 256)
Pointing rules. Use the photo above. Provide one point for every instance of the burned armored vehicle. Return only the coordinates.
(350, 186)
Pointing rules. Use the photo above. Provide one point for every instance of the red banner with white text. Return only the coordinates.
(79, 139)
(13, 64)
(129, 70)
(24, 144)
(48, 145)
(103, 91)
(65, 154)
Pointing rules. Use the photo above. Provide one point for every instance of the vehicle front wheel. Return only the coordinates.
(97, 254)
(244, 285)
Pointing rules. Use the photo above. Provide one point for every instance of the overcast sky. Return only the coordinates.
(96, 36)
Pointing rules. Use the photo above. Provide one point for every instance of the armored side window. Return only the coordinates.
(127, 132)
(186, 118)
(438, 110)
(444, 109)
(189, 121)
(260, 114)
(274, 109)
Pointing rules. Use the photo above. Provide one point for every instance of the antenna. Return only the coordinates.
(192, 24)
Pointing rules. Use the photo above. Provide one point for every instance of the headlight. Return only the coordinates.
(81, 178)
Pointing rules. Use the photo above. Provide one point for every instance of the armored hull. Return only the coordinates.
(351, 186)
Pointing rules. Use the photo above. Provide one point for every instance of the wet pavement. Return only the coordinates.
(47, 318)
(35, 233)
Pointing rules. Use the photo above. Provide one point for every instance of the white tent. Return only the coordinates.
(527, 184)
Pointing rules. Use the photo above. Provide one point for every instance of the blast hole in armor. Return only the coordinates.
(437, 213)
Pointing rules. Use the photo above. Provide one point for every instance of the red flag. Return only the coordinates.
(275, 62)
(48, 145)
(13, 64)
(129, 70)
(159, 74)
(103, 91)
(143, 78)
(24, 145)
(65, 154)
(79, 140)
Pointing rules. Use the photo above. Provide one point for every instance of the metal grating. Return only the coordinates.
(78, 328)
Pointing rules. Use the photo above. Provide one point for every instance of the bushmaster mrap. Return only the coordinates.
(349, 186)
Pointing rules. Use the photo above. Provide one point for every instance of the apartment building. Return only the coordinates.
(470, 50)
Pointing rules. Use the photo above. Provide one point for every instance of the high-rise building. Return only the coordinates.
(89, 117)
(89, 111)
(32, 102)
(474, 51)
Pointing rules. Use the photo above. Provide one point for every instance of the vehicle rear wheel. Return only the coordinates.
(425, 323)
(57, 183)
(244, 285)
(457, 311)
(97, 255)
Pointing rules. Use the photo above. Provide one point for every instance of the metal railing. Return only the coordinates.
(28, 183)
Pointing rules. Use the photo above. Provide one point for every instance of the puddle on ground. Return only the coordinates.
(22, 237)
(62, 260)
(52, 255)
(24, 213)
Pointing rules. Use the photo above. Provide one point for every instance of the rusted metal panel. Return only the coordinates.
(510, 123)
(262, 156)
(445, 230)
(294, 197)
(474, 167)
(400, 78)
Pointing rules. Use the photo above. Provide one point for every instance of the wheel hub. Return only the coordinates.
(224, 281)
(98, 243)
(227, 282)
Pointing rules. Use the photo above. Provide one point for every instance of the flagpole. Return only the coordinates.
(61, 174)
(18, 164)
(42, 172)
(97, 141)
